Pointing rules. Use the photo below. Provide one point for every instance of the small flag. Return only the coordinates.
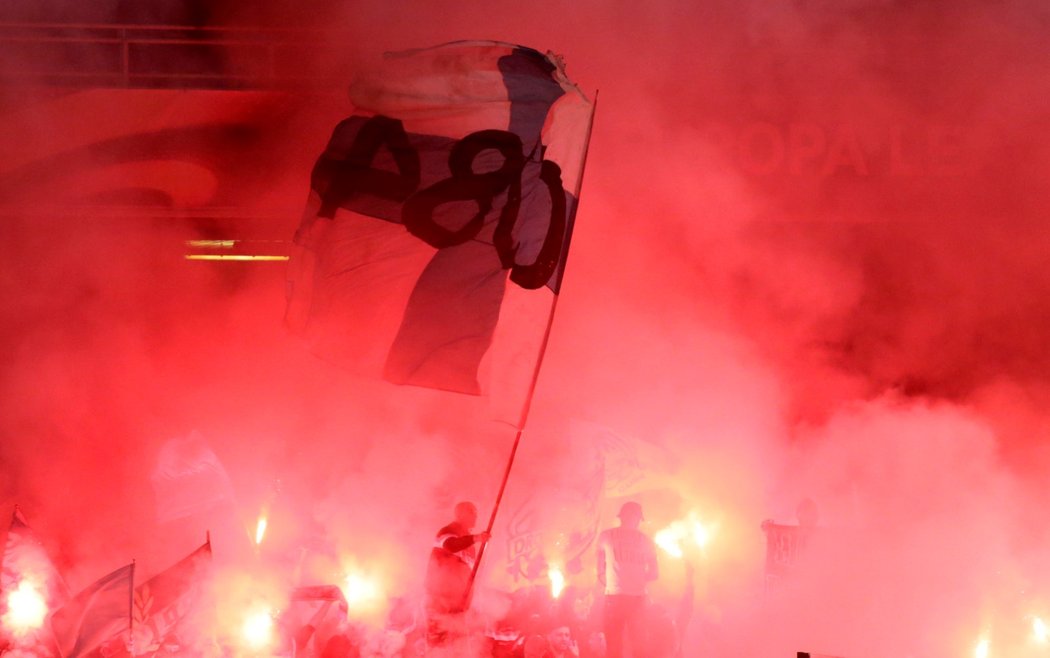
(168, 597)
(98, 613)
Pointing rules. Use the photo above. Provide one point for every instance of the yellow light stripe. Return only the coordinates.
(217, 244)
(234, 257)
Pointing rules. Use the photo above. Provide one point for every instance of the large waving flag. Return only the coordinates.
(99, 612)
(439, 217)
(167, 598)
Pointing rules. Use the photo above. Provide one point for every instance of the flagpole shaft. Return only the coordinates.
(527, 405)
(492, 520)
(131, 611)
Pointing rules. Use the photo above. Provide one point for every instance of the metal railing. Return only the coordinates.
(169, 56)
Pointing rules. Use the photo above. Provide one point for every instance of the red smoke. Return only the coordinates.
(809, 261)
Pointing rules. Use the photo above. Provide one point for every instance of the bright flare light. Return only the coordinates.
(701, 535)
(669, 540)
(1040, 631)
(258, 630)
(260, 529)
(26, 609)
(557, 579)
(672, 537)
(361, 591)
(982, 648)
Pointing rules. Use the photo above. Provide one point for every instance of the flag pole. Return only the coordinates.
(527, 405)
(131, 610)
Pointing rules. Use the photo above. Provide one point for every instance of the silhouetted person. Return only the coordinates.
(448, 577)
(661, 633)
(787, 544)
(340, 645)
(562, 644)
(536, 647)
(595, 646)
(626, 565)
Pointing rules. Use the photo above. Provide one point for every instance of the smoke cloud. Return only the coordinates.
(809, 262)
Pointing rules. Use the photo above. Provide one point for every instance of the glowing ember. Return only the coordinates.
(361, 591)
(258, 629)
(557, 579)
(260, 529)
(26, 608)
(1040, 631)
(982, 648)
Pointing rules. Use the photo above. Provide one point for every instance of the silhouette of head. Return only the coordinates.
(630, 514)
(466, 514)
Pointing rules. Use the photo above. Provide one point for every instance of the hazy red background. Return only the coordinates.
(810, 259)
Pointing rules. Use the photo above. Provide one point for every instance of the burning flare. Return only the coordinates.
(671, 538)
(1040, 632)
(982, 648)
(362, 591)
(557, 579)
(260, 529)
(257, 629)
(26, 608)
